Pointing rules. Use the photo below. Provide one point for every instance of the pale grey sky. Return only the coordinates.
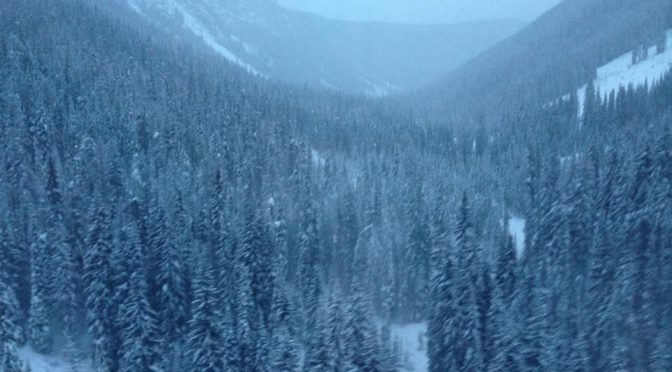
(423, 11)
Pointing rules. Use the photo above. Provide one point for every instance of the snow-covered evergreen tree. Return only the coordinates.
(317, 357)
(39, 326)
(503, 335)
(442, 305)
(308, 277)
(334, 331)
(10, 331)
(360, 341)
(137, 322)
(171, 298)
(285, 356)
(98, 291)
(205, 339)
(466, 344)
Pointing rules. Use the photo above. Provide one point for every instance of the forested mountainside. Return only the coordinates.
(556, 54)
(366, 58)
(163, 211)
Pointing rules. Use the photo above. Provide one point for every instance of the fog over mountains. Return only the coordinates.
(425, 11)
(370, 58)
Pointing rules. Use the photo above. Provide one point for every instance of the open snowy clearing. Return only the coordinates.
(517, 233)
(413, 340)
(621, 72)
(43, 363)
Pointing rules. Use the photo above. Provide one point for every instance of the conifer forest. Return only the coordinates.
(168, 206)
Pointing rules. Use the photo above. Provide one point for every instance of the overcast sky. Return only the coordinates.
(423, 11)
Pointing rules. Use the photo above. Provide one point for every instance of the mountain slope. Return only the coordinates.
(377, 59)
(643, 66)
(556, 54)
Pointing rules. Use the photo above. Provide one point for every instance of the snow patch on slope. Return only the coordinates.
(621, 72)
(380, 90)
(318, 160)
(413, 343)
(200, 30)
(136, 8)
(328, 85)
(517, 233)
(43, 363)
(249, 49)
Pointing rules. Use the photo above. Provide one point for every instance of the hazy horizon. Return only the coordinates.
(424, 12)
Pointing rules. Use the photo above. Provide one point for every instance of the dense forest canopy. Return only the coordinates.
(161, 210)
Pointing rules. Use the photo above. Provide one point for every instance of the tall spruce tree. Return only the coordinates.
(359, 336)
(442, 306)
(98, 289)
(137, 321)
(10, 329)
(467, 348)
(205, 340)
(39, 325)
(503, 337)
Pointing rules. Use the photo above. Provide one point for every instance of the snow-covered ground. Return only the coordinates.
(413, 337)
(381, 89)
(413, 340)
(317, 158)
(517, 233)
(136, 7)
(621, 72)
(43, 363)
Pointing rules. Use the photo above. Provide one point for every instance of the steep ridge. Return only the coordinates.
(642, 66)
(557, 53)
(375, 59)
